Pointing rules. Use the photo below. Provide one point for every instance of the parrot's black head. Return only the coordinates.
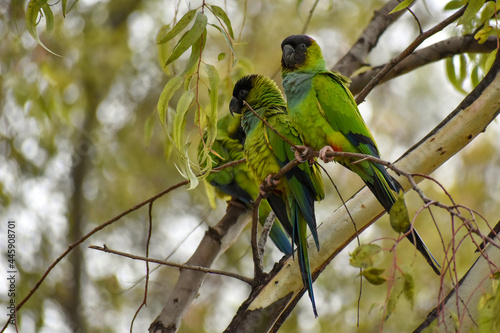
(294, 50)
(240, 92)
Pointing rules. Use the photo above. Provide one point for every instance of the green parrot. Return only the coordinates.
(325, 113)
(292, 197)
(236, 181)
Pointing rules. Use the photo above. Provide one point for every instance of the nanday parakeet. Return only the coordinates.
(236, 181)
(292, 199)
(323, 110)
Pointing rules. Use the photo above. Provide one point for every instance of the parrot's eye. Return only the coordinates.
(243, 93)
(302, 46)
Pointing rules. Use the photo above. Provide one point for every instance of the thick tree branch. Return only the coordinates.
(216, 241)
(438, 51)
(284, 287)
(419, 40)
(354, 58)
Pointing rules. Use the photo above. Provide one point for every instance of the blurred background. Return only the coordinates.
(76, 149)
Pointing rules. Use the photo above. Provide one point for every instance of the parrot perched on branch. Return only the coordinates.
(292, 198)
(323, 110)
(237, 181)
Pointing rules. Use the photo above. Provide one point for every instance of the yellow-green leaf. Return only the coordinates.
(221, 56)
(148, 128)
(228, 41)
(452, 76)
(402, 5)
(409, 288)
(372, 275)
(32, 12)
(489, 61)
(213, 79)
(180, 116)
(189, 38)
(183, 22)
(365, 255)
(472, 8)
(168, 91)
(220, 13)
(455, 4)
(196, 51)
(400, 221)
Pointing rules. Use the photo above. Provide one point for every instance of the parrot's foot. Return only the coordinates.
(324, 151)
(302, 153)
(267, 185)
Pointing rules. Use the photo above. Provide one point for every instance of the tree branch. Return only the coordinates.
(438, 51)
(381, 20)
(420, 38)
(215, 242)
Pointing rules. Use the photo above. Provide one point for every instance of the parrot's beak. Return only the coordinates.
(234, 106)
(288, 55)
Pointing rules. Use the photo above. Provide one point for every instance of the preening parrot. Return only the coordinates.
(236, 181)
(323, 110)
(293, 196)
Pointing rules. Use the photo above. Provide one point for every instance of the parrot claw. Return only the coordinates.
(301, 153)
(267, 185)
(324, 151)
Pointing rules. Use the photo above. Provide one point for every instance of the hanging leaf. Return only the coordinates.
(32, 12)
(220, 13)
(148, 128)
(180, 117)
(472, 9)
(398, 214)
(402, 5)
(489, 61)
(372, 275)
(189, 38)
(183, 22)
(214, 80)
(365, 255)
(452, 76)
(409, 288)
(196, 51)
(228, 41)
(168, 91)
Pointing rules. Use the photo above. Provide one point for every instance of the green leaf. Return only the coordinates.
(489, 61)
(49, 17)
(180, 116)
(452, 76)
(409, 288)
(220, 13)
(221, 56)
(472, 9)
(189, 38)
(34, 8)
(455, 4)
(214, 80)
(148, 128)
(365, 255)
(168, 91)
(196, 51)
(183, 22)
(372, 275)
(63, 3)
(400, 221)
(228, 41)
(402, 5)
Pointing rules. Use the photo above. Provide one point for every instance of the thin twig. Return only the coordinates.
(420, 38)
(257, 258)
(173, 264)
(308, 20)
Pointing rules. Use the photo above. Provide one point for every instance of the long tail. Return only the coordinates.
(300, 238)
(384, 188)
